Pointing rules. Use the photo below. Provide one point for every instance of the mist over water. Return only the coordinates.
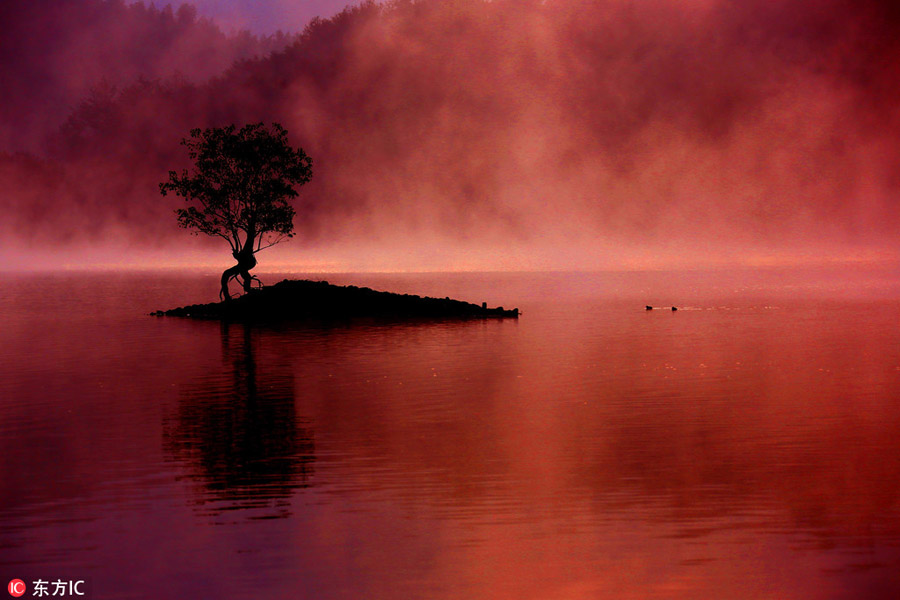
(482, 135)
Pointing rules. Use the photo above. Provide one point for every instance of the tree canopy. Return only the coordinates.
(240, 188)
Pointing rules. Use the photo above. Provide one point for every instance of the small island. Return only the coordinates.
(301, 300)
(239, 189)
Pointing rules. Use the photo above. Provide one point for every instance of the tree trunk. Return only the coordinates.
(246, 261)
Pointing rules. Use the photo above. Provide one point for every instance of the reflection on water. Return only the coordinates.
(237, 431)
(746, 448)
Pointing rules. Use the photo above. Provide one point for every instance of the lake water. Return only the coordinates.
(746, 446)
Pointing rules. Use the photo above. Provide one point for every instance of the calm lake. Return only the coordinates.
(745, 446)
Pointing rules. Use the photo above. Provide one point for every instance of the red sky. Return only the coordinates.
(265, 17)
(466, 135)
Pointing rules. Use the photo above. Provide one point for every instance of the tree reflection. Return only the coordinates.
(238, 434)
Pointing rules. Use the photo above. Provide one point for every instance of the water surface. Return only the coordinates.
(745, 446)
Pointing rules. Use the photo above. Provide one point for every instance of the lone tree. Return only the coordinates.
(240, 190)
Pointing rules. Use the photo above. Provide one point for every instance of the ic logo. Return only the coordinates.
(16, 588)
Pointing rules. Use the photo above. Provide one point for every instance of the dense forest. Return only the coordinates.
(55, 53)
(761, 119)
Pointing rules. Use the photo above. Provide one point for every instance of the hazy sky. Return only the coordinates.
(266, 16)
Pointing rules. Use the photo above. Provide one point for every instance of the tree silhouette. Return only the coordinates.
(240, 190)
(236, 430)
